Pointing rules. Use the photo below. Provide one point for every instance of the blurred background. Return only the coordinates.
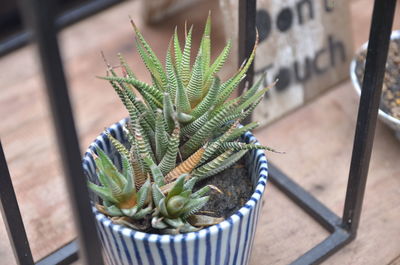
(310, 114)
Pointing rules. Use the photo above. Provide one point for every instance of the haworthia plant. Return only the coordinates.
(183, 128)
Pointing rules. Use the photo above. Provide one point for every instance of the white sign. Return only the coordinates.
(306, 44)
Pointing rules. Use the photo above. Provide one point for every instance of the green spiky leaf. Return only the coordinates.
(171, 75)
(190, 184)
(181, 98)
(240, 131)
(126, 67)
(249, 93)
(161, 136)
(169, 159)
(177, 49)
(194, 205)
(178, 187)
(205, 45)
(198, 139)
(102, 192)
(194, 90)
(157, 194)
(201, 192)
(117, 144)
(184, 67)
(176, 223)
(105, 164)
(150, 93)
(142, 213)
(169, 112)
(155, 171)
(222, 162)
(156, 65)
(196, 125)
(113, 210)
(162, 207)
(143, 194)
(208, 100)
(216, 66)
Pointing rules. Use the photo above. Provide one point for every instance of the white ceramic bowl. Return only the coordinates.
(227, 243)
(389, 120)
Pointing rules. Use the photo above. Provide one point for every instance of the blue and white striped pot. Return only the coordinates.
(229, 242)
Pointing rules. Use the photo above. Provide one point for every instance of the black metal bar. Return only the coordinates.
(247, 38)
(40, 16)
(62, 256)
(319, 212)
(14, 42)
(328, 219)
(343, 229)
(379, 38)
(325, 249)
(12, 216)
(341, 233)
(69, 17)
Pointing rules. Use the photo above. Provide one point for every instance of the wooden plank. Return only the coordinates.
(317, 139)
(318, 158)
(26, 130)
(282, 221)
(395, 261)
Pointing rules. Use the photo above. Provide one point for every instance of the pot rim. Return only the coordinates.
(395, 35)
(255, 198)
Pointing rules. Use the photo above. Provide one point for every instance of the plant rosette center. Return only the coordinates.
(175, 205)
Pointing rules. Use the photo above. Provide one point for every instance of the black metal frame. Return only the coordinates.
(343, 230)
(69, 17)
(38, 16)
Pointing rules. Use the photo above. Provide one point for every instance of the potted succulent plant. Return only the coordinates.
(152, 175)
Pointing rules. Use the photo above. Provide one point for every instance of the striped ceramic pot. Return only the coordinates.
(228, 242)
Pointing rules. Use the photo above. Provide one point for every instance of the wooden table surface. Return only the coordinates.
(317, 139)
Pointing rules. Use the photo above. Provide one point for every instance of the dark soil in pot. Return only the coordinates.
(236, 187)
(390, 100)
